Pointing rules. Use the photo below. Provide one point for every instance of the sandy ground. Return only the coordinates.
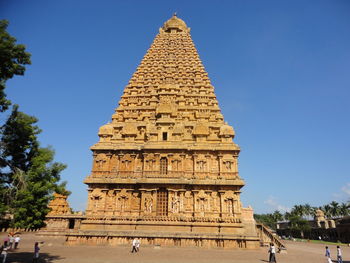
(54, 250)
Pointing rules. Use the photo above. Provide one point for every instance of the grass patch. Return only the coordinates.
(321, 242)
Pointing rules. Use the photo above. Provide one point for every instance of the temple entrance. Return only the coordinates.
(71, 223)
(162, 202)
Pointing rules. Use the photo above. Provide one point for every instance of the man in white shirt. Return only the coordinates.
(272, 252)
(138, 244)
(17, 239)
(134, 243)
(339, 256)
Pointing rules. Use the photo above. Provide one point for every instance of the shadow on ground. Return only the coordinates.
(27, 257)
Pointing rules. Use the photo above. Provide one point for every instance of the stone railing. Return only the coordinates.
(267, 236)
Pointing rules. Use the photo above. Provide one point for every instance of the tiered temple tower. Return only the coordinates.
(165, 168)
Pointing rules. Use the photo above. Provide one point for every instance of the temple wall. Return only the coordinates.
(182, 200)
(202, 165)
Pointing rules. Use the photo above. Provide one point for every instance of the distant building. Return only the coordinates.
(320, 227)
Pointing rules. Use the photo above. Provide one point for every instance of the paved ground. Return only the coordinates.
(55, 251)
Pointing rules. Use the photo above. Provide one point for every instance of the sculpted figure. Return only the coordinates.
(148, 204)
(175, 204)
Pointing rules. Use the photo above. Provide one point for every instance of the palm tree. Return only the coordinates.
(277, 216)
(298, 210)
(308, 210)
(327, 210)
(344, 209)
(335, 209)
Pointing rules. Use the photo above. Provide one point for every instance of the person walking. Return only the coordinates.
(4, 252)
(339, 255)
(138, 243)
(17, 239)
(6, 240)
(272, 252)
(12, 240)
(134, 243)
(328, 255)
(36, 252)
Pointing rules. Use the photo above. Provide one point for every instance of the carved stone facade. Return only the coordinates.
(166, 167)
(60, 219)
(59, 205)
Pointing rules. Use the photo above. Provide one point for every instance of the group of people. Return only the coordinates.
(272, 254)
(11, 241)
(339, 255)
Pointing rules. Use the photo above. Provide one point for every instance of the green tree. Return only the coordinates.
(299, 224)
(269, 220)
(298, 210)
(335, 209)
(344, 209)
(277, 216)
(27, 171)
(13, 57)
(28, 175)
(308, 210)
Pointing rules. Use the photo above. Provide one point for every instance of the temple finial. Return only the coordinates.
(175, 14)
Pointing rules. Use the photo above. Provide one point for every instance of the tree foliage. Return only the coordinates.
(13, 59)
(28, 174)
(299, 215)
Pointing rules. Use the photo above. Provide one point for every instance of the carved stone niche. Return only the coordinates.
(201, 164)
(188, 201)
(110, 201)
(101, 161)
(148, 202)
(228, 164)
(176, 201)
(96, 201)
(230, 204)
(202, 204)
(123, 202)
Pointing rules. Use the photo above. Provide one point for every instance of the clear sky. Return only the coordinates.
(281, 72)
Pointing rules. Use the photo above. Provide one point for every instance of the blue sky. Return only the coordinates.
(281, 72)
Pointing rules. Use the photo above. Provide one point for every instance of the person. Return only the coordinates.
(36, 252)
(328, 255)
(138, 244)
(12, 240)
(339, 256)
(4, 252)
(17, 239)
(134, 243)
(272, 252)
(6, 240)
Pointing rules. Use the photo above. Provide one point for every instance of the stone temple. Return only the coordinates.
(165, 168)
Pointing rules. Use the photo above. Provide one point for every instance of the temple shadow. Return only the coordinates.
(27, 257)
(264, 260)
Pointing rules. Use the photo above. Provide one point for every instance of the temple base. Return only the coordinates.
(162, 239)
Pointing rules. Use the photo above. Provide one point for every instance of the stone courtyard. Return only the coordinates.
(54, 250)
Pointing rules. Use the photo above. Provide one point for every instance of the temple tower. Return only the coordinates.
(165, 168)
